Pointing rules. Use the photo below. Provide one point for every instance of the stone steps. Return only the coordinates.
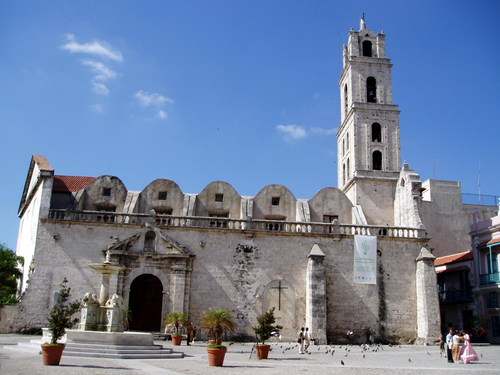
(108, 351)
(154, 355)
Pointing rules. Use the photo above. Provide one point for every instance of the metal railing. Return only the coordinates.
(480, 199)
(455, 296)
(235, 224)
(489, 278)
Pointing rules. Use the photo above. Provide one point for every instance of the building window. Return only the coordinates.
(347, 141)
(106, 192)
(377, 161)
(343, 146)
(162, 212)
(376, 132)
(149, 241)
(330, 219)
(162, 195)
(495, 326)
(367, 48)
(492, 300)
(348, 171)
(214, 223)
(219, 197)
(343, 173)
(275, 201)
(371, 90)
(346, 100)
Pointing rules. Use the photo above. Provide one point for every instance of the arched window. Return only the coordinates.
(343, 173)
(343, 146)
(348, 169)
(347, 141)
(376, 132)
(346, 100)
(149, 241)
(377, 160)
(371, 90)
(367, 48)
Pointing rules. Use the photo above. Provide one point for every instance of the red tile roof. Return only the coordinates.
(71, 183)
(453, 258)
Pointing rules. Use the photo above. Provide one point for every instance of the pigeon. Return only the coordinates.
(342, 362)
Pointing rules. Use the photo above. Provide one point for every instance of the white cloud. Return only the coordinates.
(101, 71)
(162, 115)
(95, 48)
(151, 99)
(292, 132)
(154, 100)
(324, 131)
(100, 88)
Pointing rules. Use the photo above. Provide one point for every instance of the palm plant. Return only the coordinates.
(61, 315)
(216, 322)
(177, 320)
(266, 326)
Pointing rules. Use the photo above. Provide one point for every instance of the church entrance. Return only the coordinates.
(145, 303)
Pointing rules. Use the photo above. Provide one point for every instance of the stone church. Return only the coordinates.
(176, 251)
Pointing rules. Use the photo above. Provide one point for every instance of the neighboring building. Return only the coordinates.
(486, 248)
(191, 252)
(455, 276)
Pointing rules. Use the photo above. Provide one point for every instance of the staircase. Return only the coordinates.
(108, 351)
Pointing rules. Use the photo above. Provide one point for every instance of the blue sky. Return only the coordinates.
(196, 90)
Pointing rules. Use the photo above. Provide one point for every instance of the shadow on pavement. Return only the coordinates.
(95, 366)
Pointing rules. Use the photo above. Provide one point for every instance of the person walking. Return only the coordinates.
(456, 346)
(189, 332)
(307, 339)
(449, 345)
(301, 341)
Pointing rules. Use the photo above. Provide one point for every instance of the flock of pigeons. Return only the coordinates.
(341, 351)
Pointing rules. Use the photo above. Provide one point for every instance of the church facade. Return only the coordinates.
(176, 251)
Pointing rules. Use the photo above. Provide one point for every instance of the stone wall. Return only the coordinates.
(241, 272)
(8, 315)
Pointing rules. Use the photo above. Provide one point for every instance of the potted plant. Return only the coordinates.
(176, 320)
(216, 322)
(263, 331)
(60, 318)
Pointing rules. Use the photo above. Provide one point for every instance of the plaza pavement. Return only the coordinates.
(411, 360)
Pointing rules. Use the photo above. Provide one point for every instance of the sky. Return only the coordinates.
(241, 91)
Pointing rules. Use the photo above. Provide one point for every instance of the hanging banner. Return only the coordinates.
(365, 260)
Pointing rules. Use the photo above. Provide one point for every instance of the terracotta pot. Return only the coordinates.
(263, 351)
(176, 340)
(216, 356)
(217, 342)
(51, 354)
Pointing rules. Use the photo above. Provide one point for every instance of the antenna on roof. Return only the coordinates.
(479, 180)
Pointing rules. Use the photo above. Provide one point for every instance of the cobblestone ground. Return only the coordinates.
(284, 359)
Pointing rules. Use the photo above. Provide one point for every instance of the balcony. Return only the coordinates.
(455, 296)
(228, 224)
(489, 278)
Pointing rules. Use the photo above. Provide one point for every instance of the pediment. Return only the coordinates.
(164, 245)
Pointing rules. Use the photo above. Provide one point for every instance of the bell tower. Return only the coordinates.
(368, 138)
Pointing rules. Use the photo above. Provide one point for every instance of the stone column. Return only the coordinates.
(178, 282)
(316, 295)
(428, 317)
(104, 292)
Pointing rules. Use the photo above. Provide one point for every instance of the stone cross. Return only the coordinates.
(279, 288)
